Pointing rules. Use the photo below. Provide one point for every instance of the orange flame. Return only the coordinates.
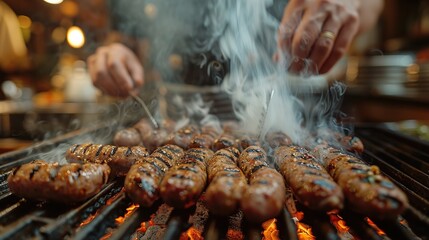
(376, 228)
(339, 223)
(303, 230)
(145, 225)
(192, 234)
(270, 230)
(130, 210)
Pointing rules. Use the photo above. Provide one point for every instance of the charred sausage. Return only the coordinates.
(153, 138)
(226, 182)
(183, 184)
(277, 139)
(68, 183)
(143, 180)
(127, 137)
(366, 190)
(183, 136)
(206, 138)
(265, 195)
(246, 141)
(119, 159)
(310, 182)
(225, 140)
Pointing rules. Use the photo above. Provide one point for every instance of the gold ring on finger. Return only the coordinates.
(328, 34)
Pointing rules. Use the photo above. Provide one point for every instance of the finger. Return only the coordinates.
(291, 18)
(307, 32)
(136, 71)
(341, 45)
(325, 42)
(99, 74)
(120, 74)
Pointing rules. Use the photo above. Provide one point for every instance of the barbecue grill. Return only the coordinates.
(111, 215)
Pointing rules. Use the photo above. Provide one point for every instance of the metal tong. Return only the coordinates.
(146, 109)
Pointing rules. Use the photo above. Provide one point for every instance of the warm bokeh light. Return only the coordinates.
(69, 8)
(59, 35)
(54, 1)
(24, 21)
(75, 37)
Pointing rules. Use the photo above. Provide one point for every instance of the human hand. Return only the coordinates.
(115, 70)
(318, 30)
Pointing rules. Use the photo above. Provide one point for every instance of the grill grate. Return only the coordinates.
(403, 159)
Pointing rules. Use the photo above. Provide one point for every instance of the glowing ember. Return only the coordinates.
(145, 225)
(376, 228)
(106, 236)
(192, 234)
(234, 234)
(303, 230)
(130, 211)
(270, 230)
(88, 220)
(339, 223)
(108, 202)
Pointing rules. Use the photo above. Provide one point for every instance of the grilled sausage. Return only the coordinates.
(265, 195)
(366, 190)
(226, 182)
(246, 141)
(206, 138)
(310, 182)
(183, 184)
(225, 140)
(119, 159)
(150, 137)
(277, 139)
(68, 183)
(183, 136)
(348, 142)
(143, 180)
(352, 144)
(127, 137)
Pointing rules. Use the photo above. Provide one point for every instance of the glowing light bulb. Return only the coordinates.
(54, 1)
(75, 37)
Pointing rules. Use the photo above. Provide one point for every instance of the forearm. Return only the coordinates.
(369, 13)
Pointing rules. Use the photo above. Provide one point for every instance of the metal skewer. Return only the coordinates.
(146, 109)
(264, 114)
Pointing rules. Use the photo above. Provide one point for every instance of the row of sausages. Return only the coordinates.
(234, 176)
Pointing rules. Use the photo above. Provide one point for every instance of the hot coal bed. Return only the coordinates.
(111, 215)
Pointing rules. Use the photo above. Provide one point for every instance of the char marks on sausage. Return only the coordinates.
(183, 184)
(227, 182)
(308, 179)
(265, 195)
(142, 182)
(67, 183)
(119, 159)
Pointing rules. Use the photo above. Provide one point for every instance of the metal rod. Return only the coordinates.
(146, 109)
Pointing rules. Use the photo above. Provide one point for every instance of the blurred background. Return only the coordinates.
(46, 91)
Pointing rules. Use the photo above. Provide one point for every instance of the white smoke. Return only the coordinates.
(245, 33)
